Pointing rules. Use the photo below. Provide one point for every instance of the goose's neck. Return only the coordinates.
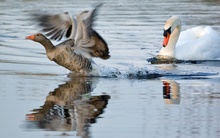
(48, 45)
(169, 50)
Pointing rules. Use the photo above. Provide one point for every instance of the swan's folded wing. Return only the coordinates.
(90, 41)
(57, 25)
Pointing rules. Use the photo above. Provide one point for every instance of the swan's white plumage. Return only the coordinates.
(198, 43)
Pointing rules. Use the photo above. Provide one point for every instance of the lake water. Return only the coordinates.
(38, 99)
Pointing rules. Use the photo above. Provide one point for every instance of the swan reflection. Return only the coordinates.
(70, 107)
(171, 92)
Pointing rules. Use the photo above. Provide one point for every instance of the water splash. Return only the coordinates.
(134, 72)
(130, 72)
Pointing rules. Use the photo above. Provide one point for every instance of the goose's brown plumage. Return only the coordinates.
(83, 41)
(79, 29)
(100, 49)
(64, 55)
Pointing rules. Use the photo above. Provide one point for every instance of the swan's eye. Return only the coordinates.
(168, 31)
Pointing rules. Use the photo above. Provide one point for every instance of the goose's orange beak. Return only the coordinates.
(31, 117)
(31, 37)
(166, 40)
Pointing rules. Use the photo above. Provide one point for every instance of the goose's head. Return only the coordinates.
(38, 37)
(172, 24)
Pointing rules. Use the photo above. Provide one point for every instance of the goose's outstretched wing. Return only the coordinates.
(57, 26)
(87, 39)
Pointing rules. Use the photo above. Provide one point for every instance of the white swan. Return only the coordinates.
(198, 43)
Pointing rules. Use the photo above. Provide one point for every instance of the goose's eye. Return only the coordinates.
(38, 34)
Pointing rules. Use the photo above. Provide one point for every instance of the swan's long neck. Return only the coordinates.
(169, 50)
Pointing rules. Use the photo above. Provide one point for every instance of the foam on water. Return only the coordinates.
(135, 72)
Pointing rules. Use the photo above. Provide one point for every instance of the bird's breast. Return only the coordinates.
(70, 60)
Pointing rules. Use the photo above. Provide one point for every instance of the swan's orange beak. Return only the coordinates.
(31, 37)
(166, 39)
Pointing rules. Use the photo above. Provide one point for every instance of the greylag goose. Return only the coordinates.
(76, 55)
(79, 29)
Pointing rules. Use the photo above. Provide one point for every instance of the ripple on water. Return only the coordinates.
(182, 102)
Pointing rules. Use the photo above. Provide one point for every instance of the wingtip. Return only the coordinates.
(99, 5)
(106, 57)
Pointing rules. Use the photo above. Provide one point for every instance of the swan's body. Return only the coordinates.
(198, 43)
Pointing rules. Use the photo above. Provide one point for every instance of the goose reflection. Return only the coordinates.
(171, 92)
(70, 107)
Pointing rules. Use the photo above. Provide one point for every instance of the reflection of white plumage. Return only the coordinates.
(171, 92)
(198, 43)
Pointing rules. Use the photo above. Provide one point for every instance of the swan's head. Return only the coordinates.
(171, 24)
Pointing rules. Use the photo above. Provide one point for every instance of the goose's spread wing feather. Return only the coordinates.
(57, 25)
(85, 22)
(88, 40)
